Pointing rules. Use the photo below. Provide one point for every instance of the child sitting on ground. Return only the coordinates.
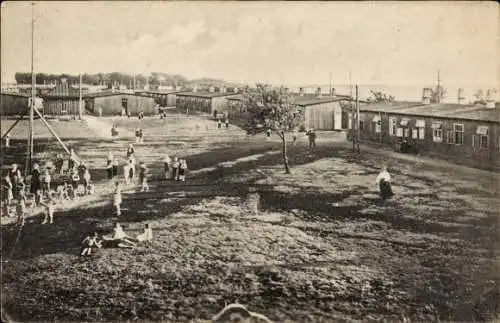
(90, 242)
(120, 237)
(147, 235)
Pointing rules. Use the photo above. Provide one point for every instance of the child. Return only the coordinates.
(61, 192)
(90, 189)
(115, 168)
(21, 187)
(268, 133)
(117, 198)
(182, 170)
(227, 123)
(175, 166)
(8, 188)
(72, 160)
(48, 212)
(70, 191)
(137, 135)
(384, 181)
(75, 178)
(131, 170)
(147, 235)
(218, 124)
(143, 177)
(36, 185)
(294, 136)
(130, 151)
(120, 237)
(21, 210)
(7, 141)
(59, 163)
(141, 136)
(166, 166)
(46, 182)
(86, 178)
(91, 241)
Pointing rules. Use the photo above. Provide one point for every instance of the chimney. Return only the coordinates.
(426, 95)
(490, 101)
(460, 96)
(301, 91)
(318, 91)
(211, 89)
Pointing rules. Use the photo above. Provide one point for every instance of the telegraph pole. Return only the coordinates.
(80, 107)
(357, 118)
(29, 160)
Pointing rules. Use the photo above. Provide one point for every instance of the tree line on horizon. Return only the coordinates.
(154, 79)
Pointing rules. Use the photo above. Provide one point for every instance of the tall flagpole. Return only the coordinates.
(33, 89)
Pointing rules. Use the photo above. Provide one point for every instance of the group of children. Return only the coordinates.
(41, 187)
(117, 239)
(175, 169)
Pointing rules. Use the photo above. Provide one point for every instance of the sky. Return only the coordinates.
(273, 42)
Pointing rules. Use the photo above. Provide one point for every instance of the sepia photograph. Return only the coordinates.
(250, 161)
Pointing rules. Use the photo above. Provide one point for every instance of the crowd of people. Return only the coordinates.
(70, 183)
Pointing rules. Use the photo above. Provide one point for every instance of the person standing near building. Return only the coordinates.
(383, 180)
(312, 138)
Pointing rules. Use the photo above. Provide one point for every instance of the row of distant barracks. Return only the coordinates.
(463, 133)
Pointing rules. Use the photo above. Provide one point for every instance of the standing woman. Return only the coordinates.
(130, 151)
(384, 182)
(166, 166)
(109, 166)
(175, 167)
(115, 168)
(36, 185)
(15, 176)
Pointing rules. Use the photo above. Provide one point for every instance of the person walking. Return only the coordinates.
(130, 150)
(143, 180)
(312, 138)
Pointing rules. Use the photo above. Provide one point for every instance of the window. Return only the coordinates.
(406, 132)
(437, 131)
(404, 122)
(399, 132)
(414, 133)
(480, 141)
(450, 137)
(458, 133)
(437, 135)
(420, 125)
(393, 126)
(377, 123)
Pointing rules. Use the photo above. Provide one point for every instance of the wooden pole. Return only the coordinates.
(80, 107)
(52, 131)
(357, 118)
(33, 89)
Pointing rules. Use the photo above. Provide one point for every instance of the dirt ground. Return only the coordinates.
(314, 246)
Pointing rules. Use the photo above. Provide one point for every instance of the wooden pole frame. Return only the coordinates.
(14, 124)
(52, 131)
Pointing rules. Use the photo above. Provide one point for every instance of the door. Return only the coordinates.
(125, 105)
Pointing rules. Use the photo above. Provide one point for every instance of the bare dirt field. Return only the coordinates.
(314, 246)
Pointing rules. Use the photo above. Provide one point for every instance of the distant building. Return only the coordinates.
(65, 101)
(162, 98)
(466, 134)
(12, 104)
(207, 102)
